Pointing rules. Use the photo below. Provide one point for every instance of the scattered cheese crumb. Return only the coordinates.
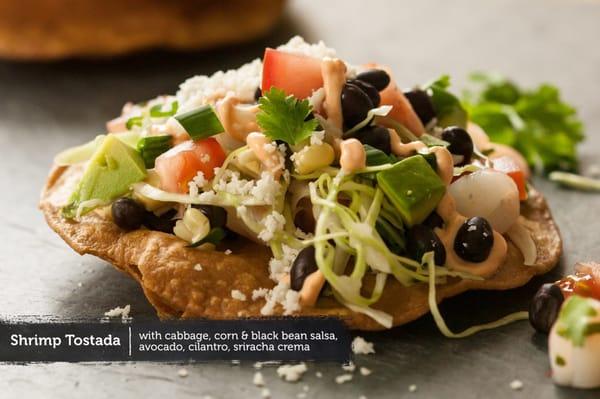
(282, 295)
(305, 388)
(258, 379)
(301, 395)
(239, 295)
(274, 222)
(318, 374)
(340, 379)
(349, 366)
(278, 268)
(259, 293)
(118, 311)
(291, 372)
(182, 373)
(265, 393)
(235, 362)
(228, 252)
(362, 347)
(516, 385)
(362, 397)
(205, 158)
(80, 284)
(412, 388)
(198, 267)
(365, 371)
(258, 365)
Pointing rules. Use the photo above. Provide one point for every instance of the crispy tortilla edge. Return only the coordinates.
(173, 288)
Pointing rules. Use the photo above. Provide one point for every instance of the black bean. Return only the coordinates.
(421, 103)
(474, 240)
(355, 105)
(304, 265)
(257, 94)
(544, 307)
(164, 222)
(375, 136)
(434, 220)
(460, 142)
(378, 78)
(216, 215)
(368, 89)
(127, 214)
(421, 239)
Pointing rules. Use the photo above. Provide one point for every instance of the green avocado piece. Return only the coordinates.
(413, 187)
(113, 168)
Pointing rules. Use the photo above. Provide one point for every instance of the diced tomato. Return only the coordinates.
(295, 74)
(402, 111)
(182, 163)
(585, 282)
(510, 167)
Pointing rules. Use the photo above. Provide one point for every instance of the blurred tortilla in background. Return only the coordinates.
(54, 29)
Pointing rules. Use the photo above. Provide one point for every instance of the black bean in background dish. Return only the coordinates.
(421, 104)
(127, 214)
(544, 307)
(375, 136)
(369, 90)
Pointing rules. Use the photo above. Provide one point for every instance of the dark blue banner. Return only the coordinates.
(291, 339)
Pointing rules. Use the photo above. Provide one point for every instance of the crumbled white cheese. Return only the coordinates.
(350, 367)
(258, 365)
(200, 90)
(516, 385)
(265, 393)
(205, 158)
(362, 397)
(318, 374)
(239, 295)
(317, 137)
(316, 100)
(341, 379)
(235, 362)
(301, 395)
(198, 182)
(291, 372)
(182, 373)
(273, 223)
(278, 268)
(119, 312)
(266, 188)
(297, 45)
(282, 295)
(198, 267)
(362, 347)
(305, 388)
(412, 388)
(258, 379)
(228, 252)
(365, 371)
(259, 293)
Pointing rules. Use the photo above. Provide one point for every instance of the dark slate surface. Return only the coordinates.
(47, 107)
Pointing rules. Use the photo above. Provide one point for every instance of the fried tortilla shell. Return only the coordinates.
(53, 29)
(164, 266)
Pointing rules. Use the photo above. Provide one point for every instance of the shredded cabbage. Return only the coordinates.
(428, 259)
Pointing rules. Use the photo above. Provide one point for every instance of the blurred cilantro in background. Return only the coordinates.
(536, 122)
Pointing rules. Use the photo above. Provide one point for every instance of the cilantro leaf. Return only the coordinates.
(447, 106)
(283, 117)
(573, 320)
(538, 123)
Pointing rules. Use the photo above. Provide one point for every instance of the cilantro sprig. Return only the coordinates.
(283, 117)
(538, 123)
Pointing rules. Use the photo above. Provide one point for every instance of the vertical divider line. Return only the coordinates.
(129, 340)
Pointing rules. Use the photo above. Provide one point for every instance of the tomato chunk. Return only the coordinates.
(295, 74)
(510, 167)
(402, 112)
(182, 163)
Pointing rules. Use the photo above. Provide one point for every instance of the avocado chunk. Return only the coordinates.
(113, 168)
(413, 187)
